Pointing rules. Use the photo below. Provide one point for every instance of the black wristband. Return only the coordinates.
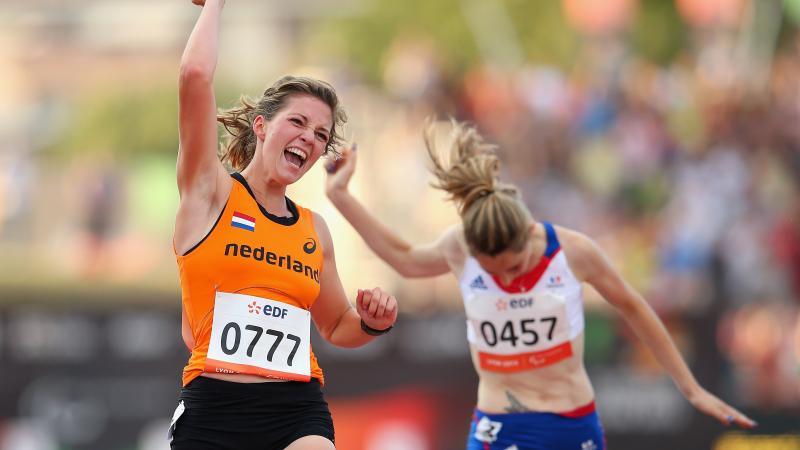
(372, 331)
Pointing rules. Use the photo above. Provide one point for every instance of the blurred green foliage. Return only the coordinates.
(657, 34)
(127, 123)
(153, 194)
(599, 336)
(544, 33)
(368, 36)
(133, 122)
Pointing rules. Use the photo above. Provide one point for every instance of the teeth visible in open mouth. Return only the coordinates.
(298, 152)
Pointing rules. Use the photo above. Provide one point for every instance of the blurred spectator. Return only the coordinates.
(103, 199)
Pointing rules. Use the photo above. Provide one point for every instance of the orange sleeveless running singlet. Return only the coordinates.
(252, 252)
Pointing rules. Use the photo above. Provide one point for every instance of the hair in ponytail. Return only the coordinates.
(240, 145)
(494, 218)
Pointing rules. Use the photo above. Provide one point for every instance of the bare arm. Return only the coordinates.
(410, 261)
(598, 271)
(336, 319)
(203, 183)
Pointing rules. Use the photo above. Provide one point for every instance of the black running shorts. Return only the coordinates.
(242, 416)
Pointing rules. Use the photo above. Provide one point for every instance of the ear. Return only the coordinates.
(260, 125)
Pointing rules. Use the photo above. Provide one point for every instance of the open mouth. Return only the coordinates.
(295, 156)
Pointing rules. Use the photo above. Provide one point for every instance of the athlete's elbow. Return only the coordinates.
(194, 74)
(415, 269)
(326, 333)
(406, 271)
(343, 340)
(631, 307)
(347, 344)
(410, 271)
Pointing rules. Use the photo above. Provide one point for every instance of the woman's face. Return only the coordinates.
(295, 137)
(510, 264)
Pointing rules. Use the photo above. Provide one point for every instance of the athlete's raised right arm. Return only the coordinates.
(410, 261)
(199, 169)
(203, 182)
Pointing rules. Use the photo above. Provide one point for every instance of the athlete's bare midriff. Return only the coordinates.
(561, 387)
(241, 378)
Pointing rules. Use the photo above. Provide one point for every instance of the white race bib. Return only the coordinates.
(259, 336)
(518, 332)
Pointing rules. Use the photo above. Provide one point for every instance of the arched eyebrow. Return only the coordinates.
(321, 127)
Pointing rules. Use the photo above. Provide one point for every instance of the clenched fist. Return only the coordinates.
(377, 308)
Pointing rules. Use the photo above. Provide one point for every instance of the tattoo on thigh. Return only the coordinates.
(514, 405)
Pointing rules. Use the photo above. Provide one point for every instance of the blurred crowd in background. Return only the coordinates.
(667, 130)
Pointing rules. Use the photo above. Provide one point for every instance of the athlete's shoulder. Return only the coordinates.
(453, 233)
(238, 180)
(571, 238)
(452, 239)
(319, 221)
(321, 228)
(581, 250)
(453, 247)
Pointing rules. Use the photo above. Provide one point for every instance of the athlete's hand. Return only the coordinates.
(340, 171)
(714, 407)
(377, 308)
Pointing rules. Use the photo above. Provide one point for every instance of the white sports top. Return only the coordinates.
(526, 325)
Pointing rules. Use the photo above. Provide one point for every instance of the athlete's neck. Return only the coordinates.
(539, 244)
(271, 196)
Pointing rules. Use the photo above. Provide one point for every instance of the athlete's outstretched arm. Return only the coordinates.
(203, 183)
(199, 169)
(587, 258)
(410, 261)
(336, 319)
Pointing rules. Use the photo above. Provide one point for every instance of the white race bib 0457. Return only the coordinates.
(259, 336)
(518, 332)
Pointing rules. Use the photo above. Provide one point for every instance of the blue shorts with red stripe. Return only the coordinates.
(576, 430)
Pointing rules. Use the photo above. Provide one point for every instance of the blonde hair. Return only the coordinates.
(240, 145)
(492, 213)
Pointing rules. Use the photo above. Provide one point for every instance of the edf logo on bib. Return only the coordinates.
(268, 310)
(503, 304)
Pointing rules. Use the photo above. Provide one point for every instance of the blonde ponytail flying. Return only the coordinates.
(494, 218)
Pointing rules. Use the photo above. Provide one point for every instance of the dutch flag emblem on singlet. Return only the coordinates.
(243, 221)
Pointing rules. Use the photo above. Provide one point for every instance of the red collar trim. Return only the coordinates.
(527, 281)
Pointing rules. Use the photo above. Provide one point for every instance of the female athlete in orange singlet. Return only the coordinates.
(256, 268)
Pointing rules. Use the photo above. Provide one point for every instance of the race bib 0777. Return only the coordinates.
(259, 336)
